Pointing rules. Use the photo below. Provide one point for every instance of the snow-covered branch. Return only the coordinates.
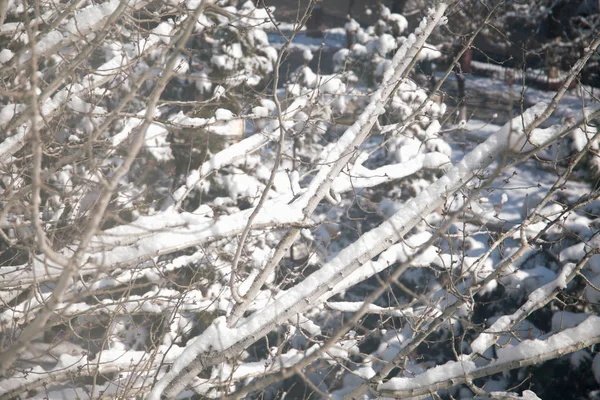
(526, 353)
(200, 199)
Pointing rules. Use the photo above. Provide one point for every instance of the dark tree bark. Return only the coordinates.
(398, 6)
(350, 6)
(315, 25)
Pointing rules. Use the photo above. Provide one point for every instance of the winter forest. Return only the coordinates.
(299, 199)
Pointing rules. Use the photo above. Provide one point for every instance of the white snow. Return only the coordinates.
(222, 61)
(222, 114)
(450, 370)
(260, 112)
(205, 237)
(5, 56)
(399, 22)
(156, 142)
(587, 332)
(307, 55)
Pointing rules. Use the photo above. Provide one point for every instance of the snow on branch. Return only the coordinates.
(321, 285)
(15, 115)
(105, 362)
(230, 340)
(335, 157)
(163, 216)
(538, 298)
(359, 177)
(526, 353)
(237, 150)
(170, 231)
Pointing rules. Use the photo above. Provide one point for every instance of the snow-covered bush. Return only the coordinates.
(180, 219)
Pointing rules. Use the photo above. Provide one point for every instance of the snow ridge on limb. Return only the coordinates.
(379, 239)
(526, 353)
(218, 342)
(222, 341)
(334, 159)
(512, 137)
(170, 231)
(361, 177)
(537, 299)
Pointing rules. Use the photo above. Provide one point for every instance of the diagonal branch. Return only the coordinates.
(528, 352)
